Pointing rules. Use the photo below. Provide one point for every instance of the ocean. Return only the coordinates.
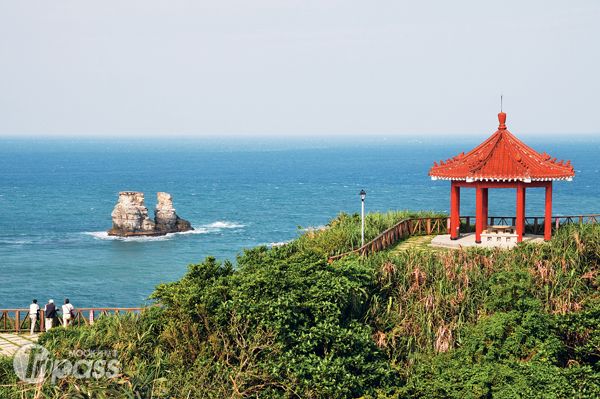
(56, 197)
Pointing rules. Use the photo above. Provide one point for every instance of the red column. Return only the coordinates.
(548, 213)
(520, 219)
(478, 214)
(485, 208)
(454, 211)
(524, 206)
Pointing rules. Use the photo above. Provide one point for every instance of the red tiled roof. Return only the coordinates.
(502, 157)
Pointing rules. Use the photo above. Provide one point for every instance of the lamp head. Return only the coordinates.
(362, 194)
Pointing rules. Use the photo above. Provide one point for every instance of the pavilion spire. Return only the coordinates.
(502, 120)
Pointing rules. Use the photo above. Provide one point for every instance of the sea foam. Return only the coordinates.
(220, 224)
(202, 229)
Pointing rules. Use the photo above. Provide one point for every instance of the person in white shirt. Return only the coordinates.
(67, 310)
(34, 308)
(50, 313)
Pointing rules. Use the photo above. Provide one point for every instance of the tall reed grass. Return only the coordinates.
(424, 298)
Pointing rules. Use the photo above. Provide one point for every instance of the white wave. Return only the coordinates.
(103, 235)
(204, 229)
(197, 230)
(220, 224)
(15, 242)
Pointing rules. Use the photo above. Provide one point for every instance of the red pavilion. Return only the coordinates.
(501, 161)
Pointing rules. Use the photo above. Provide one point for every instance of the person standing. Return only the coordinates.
(34, 310)
(50, 312)
(68, 312)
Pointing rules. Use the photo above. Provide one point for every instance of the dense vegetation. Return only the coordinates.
(413, 324)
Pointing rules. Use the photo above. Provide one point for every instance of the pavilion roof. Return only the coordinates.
(502, 157)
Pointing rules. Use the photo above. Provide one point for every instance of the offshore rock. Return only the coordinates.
(130, 216)
(165, 218)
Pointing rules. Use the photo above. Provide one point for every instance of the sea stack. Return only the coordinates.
(130, 216)
(165, 218)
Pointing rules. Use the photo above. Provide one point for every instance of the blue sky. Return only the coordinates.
(297, 68)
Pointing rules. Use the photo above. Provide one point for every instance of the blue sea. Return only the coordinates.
(56, 197)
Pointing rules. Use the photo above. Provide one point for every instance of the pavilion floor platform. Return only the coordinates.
(468, 240)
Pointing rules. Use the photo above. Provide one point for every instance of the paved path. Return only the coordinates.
(419, 243)
(10, 343)
(487, 241)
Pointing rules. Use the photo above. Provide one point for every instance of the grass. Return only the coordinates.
(420, 243)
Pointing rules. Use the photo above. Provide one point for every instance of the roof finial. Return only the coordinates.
(501, 116)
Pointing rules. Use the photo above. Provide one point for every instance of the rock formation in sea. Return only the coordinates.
(130, 216)
(165, 217)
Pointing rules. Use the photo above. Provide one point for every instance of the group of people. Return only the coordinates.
(50, 313)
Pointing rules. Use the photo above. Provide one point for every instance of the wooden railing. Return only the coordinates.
(533, 224)
(440, 225)
(18, 320)
(403, 229)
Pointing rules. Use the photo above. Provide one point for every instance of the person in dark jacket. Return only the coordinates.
(50, 314)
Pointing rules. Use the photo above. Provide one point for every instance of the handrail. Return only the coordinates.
(81, 309)
(592, 215)
(428, 225)
(402, 229)
(17, 320)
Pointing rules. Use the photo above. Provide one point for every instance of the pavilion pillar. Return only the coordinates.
(548, 212)
(454, 211)
(485, 208)
(478, 213)
(520, 219)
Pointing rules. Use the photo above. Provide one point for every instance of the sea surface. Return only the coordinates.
(56, 197)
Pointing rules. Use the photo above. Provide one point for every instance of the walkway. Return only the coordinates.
(10, 343)
(468, 240)
(418, 243)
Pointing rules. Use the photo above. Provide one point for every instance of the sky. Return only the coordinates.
(148, 68)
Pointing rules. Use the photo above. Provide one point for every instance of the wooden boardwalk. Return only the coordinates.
(10, 343)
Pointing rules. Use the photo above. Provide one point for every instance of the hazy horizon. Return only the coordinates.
(192, 69)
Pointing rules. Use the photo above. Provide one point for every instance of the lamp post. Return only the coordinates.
(363, 195)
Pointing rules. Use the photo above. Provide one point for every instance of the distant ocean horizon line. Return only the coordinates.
(45, 144)
(286, 136)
